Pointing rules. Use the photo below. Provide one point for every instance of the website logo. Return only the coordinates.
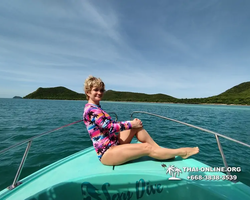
(172, 171)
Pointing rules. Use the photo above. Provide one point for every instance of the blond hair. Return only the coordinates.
(91, 82)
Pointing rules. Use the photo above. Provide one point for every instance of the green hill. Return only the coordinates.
(111, 95)
(17, 97)
(55, 93)
(242, 90)
(239, 94)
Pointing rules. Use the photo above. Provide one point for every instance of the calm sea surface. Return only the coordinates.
(21, 119)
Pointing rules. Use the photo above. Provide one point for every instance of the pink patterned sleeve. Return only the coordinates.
(105, 123)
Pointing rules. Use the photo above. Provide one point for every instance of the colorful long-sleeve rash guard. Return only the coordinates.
(102, 128)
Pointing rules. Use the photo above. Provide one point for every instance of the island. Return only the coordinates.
(239, 94)
(17, 97)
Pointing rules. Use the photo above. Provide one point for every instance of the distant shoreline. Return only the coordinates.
(221, 104)
(178, 103)
(238, 95)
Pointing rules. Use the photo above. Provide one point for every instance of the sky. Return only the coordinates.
(185, 49)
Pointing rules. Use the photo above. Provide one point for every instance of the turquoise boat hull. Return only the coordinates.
(82, 176)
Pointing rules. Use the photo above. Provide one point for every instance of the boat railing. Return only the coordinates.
(29, 142)
(217, 135)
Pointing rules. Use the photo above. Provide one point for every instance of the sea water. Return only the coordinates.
(21, 119)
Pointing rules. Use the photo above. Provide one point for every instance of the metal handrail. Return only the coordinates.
(37, 136)
(29, 141)
(202, 129)
(116, 117)
(20, 168)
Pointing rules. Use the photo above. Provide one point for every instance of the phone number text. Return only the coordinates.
(212, 177)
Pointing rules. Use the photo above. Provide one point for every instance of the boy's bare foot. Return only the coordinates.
(190, 151)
